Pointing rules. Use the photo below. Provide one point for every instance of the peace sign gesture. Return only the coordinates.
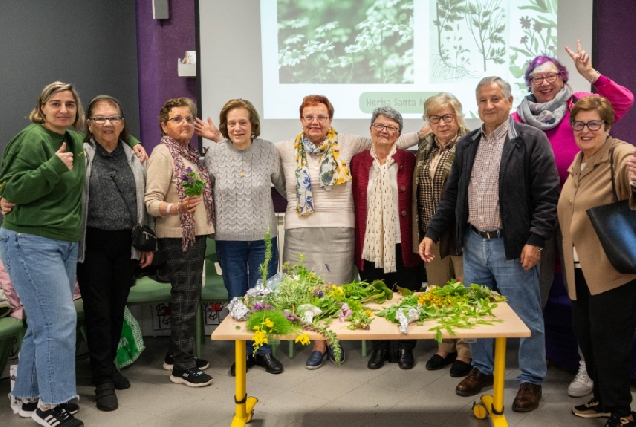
(583, 63)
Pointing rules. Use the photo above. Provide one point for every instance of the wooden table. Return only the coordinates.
(510, 327)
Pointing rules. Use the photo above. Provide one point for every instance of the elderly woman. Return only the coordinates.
(113, 202)
(548, 107)
(242, 169)
(319, 221)
(183, 225)
(382, 180)
(603, 300)
(435, 156)
(42, 179)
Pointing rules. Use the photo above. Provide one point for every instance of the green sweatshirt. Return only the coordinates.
(46, 193)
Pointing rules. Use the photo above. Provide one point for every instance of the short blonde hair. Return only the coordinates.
(37, 115)
(440, 101)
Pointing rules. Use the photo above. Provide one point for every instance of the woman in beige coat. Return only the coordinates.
(603, 300)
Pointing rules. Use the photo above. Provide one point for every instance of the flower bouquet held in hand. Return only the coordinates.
(192, 185)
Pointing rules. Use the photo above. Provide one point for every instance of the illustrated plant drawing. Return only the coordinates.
(340, 41)
(486, 23)
(451, 60)
(540, 37)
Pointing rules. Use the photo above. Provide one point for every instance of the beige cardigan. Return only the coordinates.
(161, 186)
(584, 190)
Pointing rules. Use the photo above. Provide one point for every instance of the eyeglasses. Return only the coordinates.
(309, 119)
(591, 125)
(100, 120)
(379, 128)
(446, 117)
(550, 78)
(178, 120)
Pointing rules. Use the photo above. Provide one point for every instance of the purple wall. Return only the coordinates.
(158, 49)
(615, 53)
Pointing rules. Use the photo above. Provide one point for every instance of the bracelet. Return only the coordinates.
(168, 208)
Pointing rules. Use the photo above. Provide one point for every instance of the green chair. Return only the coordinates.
(213, 291)
(10, 329)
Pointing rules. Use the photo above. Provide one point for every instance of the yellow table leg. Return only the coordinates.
(244, 405)
(494, 404)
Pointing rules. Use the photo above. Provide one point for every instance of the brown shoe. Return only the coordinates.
(473, 383)
(528, 398)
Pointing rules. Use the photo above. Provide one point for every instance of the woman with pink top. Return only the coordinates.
(548, 107)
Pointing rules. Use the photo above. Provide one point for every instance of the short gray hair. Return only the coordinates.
(488, 81)
(390, 113)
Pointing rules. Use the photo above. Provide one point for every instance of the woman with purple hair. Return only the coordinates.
(548, 107)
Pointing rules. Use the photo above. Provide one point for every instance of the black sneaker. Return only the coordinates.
(191, 377)
(591, 409)
(56, 417)
(168, 363)
(28, 408)
(616, 420)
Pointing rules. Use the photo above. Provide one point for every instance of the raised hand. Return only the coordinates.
(207, 130)
(583, 63)
(65, 156)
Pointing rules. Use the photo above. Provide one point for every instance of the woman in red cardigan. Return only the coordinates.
(382, 194)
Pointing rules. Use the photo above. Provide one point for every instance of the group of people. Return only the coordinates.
(479, 207)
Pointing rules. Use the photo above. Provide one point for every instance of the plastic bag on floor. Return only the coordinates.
(131, 343)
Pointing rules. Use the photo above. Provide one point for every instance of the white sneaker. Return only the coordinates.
(581, 385)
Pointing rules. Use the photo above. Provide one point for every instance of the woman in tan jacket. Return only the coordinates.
(182, 226)
(603, 300)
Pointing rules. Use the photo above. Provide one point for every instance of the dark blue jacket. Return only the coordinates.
(528, 190)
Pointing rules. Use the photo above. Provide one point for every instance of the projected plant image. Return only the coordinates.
(451, 60)
(469, 38)
(539, 36)
(345, 41)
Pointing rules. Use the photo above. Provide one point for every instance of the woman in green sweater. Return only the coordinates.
(43, 173)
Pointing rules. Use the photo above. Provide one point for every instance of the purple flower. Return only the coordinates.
(188, 169)
(261, 306)
(318, 293)
(291, 316)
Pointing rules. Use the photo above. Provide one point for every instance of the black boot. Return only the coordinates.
(406, 360)
(376, 361)
(269, 362)
(250, 363)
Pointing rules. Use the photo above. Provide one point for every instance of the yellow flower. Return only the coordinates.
(268, 323)
(260, 338)
(256, 328)
(303, 339)
(368, 313)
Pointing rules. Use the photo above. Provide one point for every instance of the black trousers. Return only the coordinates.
(604, 326)
(405, 277)
(185, 271)
(105, 278)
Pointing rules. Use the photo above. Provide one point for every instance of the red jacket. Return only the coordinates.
(360, 169)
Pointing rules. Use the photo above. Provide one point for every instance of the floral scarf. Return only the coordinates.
(332, 171)
(178, 153)
(379, 237)
(545, 115)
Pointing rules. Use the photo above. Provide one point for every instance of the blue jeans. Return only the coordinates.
(43, 274)
(240, 262)
(485, 263)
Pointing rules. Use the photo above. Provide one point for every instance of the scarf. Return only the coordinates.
(331, 172)
(545, 115)
(379, 237)
(178, 153)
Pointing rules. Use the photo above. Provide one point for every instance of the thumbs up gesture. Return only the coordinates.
(64, 156)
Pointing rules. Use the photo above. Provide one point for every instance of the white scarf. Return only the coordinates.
(379, 237)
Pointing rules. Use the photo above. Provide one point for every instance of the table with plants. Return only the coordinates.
(299, 305)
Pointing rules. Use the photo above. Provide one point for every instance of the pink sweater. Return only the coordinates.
(562, 137)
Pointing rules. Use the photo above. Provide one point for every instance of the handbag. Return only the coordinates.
(144, 238)
(615, 226)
